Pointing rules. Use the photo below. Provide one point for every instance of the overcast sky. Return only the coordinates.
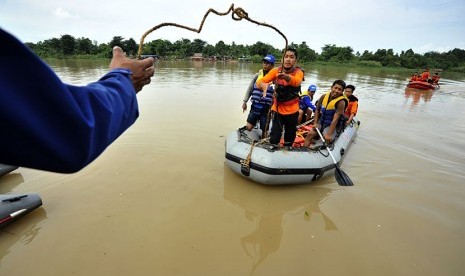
(361, 24)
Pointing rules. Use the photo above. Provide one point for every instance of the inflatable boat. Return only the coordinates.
(254, 158)
(14, 206)
(4, 169)
(423, 85)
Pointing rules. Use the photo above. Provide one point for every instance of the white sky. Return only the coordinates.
(421, 25)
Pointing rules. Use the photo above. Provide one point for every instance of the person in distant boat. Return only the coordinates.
(306, 107)
(435, 78)
(329, 114)
(53, 126)
(287, 79)
(415, 77)
(352, 106)
(260, 107)
(425, 75)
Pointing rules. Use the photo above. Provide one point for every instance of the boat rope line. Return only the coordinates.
(237, 14)
(245, 164)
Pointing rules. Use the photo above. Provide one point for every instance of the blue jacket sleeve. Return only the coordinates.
(48, 125)
(306, 102)
(311, 105)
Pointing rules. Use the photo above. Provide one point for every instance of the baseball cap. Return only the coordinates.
(269, 58)
(312, 88)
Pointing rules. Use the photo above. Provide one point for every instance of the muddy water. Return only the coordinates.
(160, 200)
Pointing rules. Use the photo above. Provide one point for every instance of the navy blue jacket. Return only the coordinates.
(49, 125)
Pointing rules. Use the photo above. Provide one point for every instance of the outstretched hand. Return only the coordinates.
(142, 70)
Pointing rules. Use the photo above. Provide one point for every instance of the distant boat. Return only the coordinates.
(147, 56)
(423, 85)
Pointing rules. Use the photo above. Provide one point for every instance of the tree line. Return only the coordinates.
(68, 46)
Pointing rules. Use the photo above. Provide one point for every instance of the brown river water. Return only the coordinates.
(161, 201)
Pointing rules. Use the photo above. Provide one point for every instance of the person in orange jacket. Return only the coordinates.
(425, 76)
(287, 80)
(414, 77)
(352, 107)
(436, 78)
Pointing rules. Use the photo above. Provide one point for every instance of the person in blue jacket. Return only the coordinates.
(260, 106)
(306, 107)
(50, 125)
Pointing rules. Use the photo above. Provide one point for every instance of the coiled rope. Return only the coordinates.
(237, 15)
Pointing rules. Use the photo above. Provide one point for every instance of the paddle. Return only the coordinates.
(341, 177)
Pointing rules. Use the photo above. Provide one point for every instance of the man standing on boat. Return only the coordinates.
(425, 75)
(260, 105)
(329, 113)
(287, 79)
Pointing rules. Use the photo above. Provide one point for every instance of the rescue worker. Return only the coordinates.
(435, 78)
(260, 106)
(425, 75)
(306, 107)
(287, 79)
(329, 114)
(352, 106)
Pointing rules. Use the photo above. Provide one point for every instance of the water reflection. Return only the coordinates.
(266, 207)
(10, 181)
(417, 95)
(23, 231)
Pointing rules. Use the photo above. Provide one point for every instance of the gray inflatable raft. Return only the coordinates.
(264, 164)
(4, 169)
(14, 206)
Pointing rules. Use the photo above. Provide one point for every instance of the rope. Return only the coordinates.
(246, 162)
(237, 15)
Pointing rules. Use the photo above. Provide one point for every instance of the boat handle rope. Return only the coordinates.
(245, 163)
(237, 14)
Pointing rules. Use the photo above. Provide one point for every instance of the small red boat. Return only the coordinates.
(424, 85)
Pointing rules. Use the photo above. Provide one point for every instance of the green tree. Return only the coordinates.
(261, 49)
(209, 51)
(332, 53)
(182, 48)
(236, 50)
(409, 59)
(130, 47)
(84, 46)
(116, 41)
(160, 47)
(221, 49)
(104, 50)
(67, 44)
(305, 53)
(367, 55)
(198, 45)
